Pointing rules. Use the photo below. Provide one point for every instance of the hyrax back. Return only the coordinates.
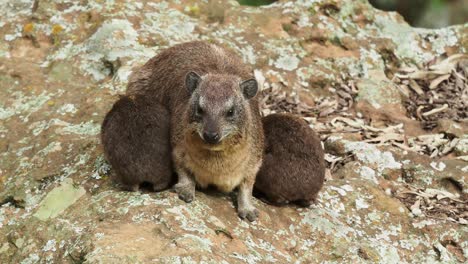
(216, 129)
(293, 168)
(164, 76)
(135, 135)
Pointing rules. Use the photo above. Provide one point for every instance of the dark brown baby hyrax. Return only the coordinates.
(293, 168)
(216, 129)
(135, 136)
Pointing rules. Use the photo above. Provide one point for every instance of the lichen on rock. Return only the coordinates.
(397, 192)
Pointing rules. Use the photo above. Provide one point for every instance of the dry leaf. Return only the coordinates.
(415, 208)
(415, 86)
(386, 137)
(438, 80)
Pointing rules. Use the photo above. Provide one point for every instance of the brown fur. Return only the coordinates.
(135, 135)
(293, 168)
(236, 159)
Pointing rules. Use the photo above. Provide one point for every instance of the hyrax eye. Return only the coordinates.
(230, 112)
(199, 111)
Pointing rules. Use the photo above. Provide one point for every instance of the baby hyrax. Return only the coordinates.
(216, 128)
(293, 168)
(135, 135)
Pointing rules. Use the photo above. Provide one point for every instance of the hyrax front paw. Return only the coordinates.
(250, 213)
(186, 192)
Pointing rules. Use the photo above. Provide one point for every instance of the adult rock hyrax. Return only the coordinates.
(135, 136)
(293, 168)
(216, 129)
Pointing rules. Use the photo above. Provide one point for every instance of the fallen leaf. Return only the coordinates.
(438, 80)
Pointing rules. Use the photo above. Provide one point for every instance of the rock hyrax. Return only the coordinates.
(135, 135)
(293, 168)
(216, 129)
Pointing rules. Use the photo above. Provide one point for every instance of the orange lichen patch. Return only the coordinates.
(28, 28)
(119, 34)
(328, 50)
(272, 25)
(56, 29)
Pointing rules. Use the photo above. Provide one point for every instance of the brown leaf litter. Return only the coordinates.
(436, 204)
(439, 91)
(275, 100)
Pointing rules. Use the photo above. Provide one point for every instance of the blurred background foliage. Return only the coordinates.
(418, 13)
(427, 13)
(255, 2)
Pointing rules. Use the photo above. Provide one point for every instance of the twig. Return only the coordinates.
(436, 110)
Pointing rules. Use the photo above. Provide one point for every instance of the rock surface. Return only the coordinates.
(63, 64)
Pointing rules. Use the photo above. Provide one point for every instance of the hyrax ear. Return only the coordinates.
(192, 79)
(249, 88)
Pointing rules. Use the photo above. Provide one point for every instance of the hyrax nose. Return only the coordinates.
(211, 137)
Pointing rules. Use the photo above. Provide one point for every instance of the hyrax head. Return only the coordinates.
(219, 106)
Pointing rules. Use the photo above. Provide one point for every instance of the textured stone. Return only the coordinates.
(59, 199)
(63, 66)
